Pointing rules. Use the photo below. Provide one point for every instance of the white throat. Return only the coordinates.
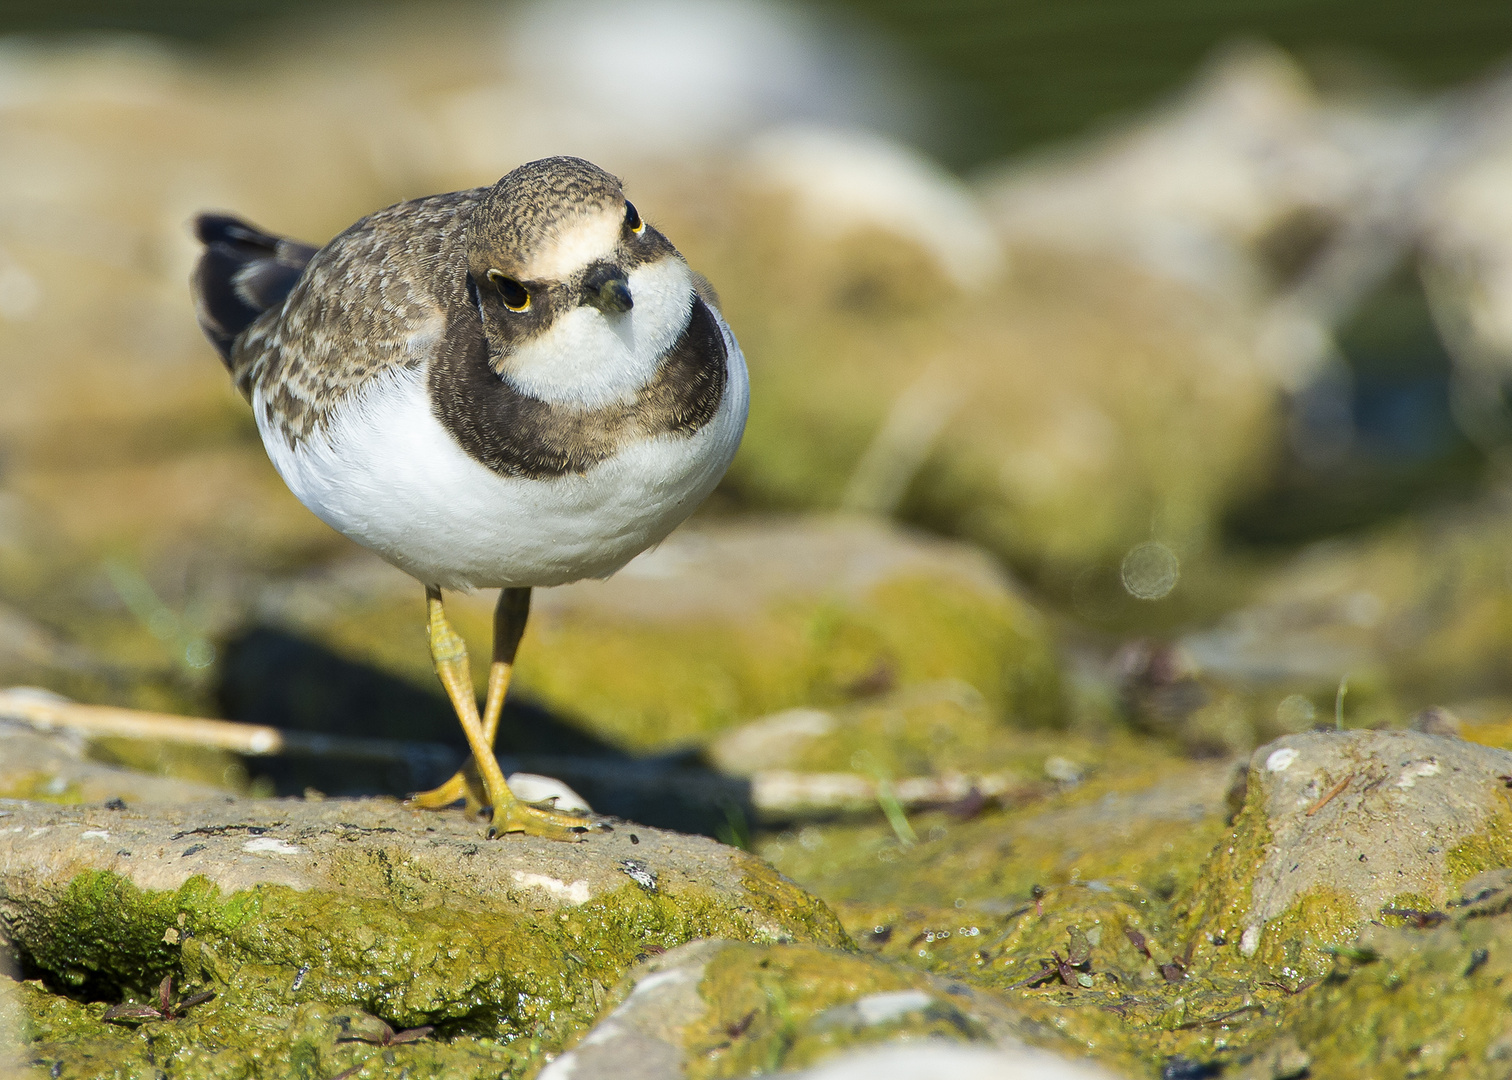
(591, 359)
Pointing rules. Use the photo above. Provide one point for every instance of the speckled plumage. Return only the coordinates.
(355, 311)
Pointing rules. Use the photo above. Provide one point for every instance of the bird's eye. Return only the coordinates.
(515, 296)
(633, 219)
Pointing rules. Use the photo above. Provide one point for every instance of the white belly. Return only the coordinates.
(387, 474)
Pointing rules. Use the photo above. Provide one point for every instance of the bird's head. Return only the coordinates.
(578, 295)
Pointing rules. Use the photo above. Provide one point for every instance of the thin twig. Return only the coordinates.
(1328, 796)
(253, 739)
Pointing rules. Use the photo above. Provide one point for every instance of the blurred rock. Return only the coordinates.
(1466, 239)
(1436, 720)
(1285, 205)
(1050, 415)
(714, 1002)
(1165, 690)
(118, 421)
(691, 76)
(57, 768)
(928, 746)
(844, 182)
(733, 621)
(297, 914)
(1414, 614)
(1197, 189)
(945, 1062)
(30, 652)
(1341, 828)
(720, 623)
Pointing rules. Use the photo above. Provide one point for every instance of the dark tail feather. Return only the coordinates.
(243, 272)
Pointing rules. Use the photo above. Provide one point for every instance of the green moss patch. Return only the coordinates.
(1106, 866)
(1414, 1003)
(647, 686)
(1489, 849)
(786, 1007)
(502, 989)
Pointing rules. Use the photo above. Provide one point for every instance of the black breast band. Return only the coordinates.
(515, 434)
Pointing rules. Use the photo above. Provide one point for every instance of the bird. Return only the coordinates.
(511, 387)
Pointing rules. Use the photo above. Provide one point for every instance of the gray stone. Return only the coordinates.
(1339, 827)
(341, 844)
(647, 1027)
(729, 570)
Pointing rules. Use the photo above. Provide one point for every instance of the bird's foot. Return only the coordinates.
(512, 815)
(464, 785)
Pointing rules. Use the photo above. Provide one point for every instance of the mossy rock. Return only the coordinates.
(1137, 872)
(1419, 610)
(730, 621)
(716, 1009)
(734, 621)
(1429, 999)
(992, 900)
(296, 914)
(1340, 828)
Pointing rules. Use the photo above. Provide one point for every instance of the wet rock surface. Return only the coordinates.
(1426, 996)
(1097, 906)
(299, 913)
(1114, 908)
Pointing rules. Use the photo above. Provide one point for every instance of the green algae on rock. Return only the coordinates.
(726, 622)
(715, 1009)
(363, 907)
(1061, 406)
(1421, 609)
(1150, 888)
(1425, 1000)
(730, 622)
(1335, 827)
(1094, 866)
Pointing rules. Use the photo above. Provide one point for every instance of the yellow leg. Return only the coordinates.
(509, 626)
(510, 616)
(449, 653)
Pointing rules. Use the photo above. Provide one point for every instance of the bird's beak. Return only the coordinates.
(606, 288)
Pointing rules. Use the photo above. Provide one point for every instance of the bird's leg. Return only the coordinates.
(449, 653)
(510, 615)
(509, 626)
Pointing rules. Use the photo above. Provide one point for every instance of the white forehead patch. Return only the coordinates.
(587, 240)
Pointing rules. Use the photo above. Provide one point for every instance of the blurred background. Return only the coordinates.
(1187, 325)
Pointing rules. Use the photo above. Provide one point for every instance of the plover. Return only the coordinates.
(508, 387)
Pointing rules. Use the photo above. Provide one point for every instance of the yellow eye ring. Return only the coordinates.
(516, 297)
(633, 218)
